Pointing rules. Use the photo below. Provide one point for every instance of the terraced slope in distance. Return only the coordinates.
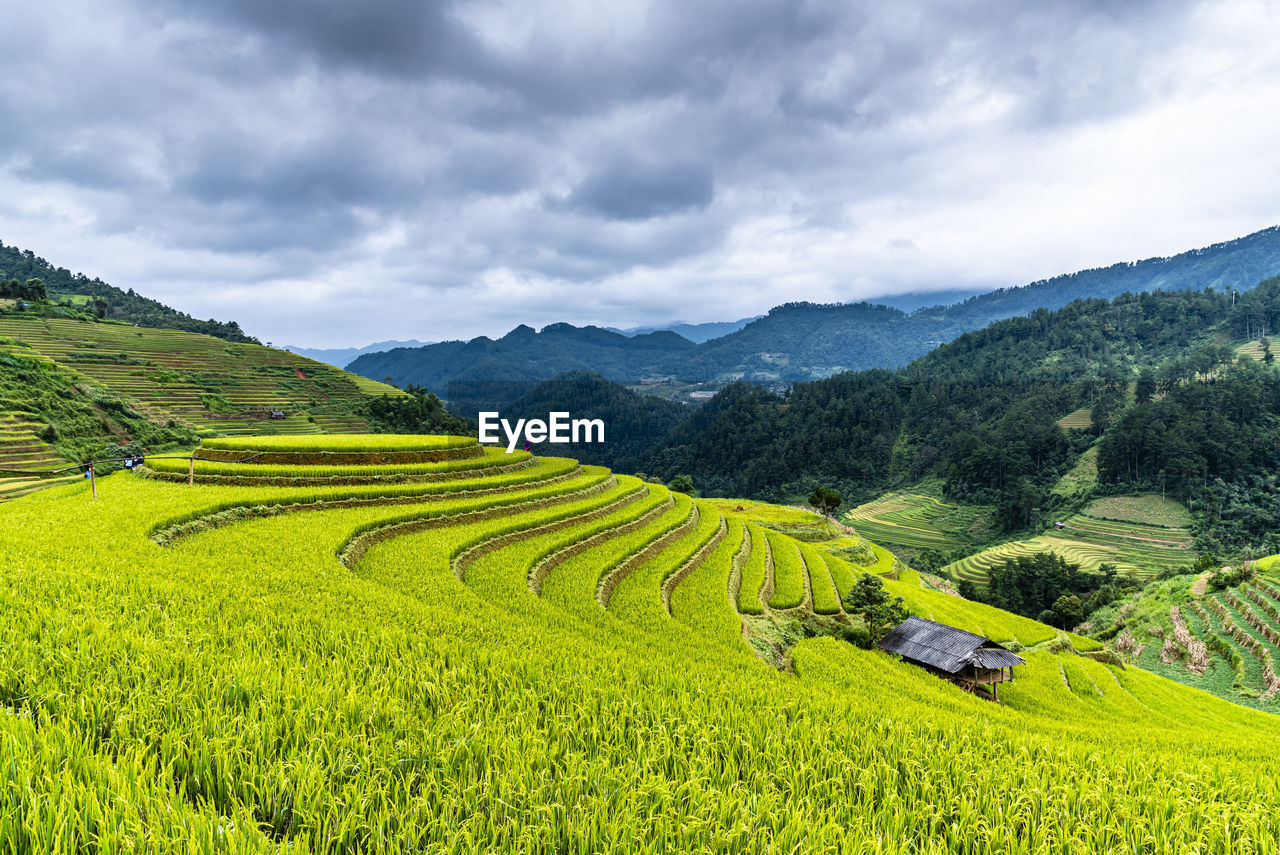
(21, 448)
(212, 384)
(1114, 530)
(259, 685)
(916, 521)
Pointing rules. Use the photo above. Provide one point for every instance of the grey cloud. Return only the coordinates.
(631, 189)
(669, 148)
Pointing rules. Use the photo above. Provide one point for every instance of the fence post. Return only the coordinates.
(93, 483)
(191, 472)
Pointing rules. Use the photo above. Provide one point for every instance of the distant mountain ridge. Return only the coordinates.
(341, 357)
(805, 341)
(525, 354)
(696, 333)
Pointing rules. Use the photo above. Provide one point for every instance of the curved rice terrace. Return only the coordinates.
(1140, 536)
(1081, 419)
(916, 521)
(545, 658)
(211, 384)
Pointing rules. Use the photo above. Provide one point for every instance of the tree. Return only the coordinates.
(417, 412)
(869, 600)
(1068, 610)
(1146, 386)
(682, 484)
(825, 500)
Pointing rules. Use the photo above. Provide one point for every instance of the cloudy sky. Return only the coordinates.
(332, 173)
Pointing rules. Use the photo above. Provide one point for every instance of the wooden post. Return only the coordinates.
(995, 691)
(92, 481)
(191, 472)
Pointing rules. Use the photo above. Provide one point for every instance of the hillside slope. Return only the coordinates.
(208, 383)
(539, 657)
(115, 304)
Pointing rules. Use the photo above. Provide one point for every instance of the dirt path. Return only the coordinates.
(1201, 584)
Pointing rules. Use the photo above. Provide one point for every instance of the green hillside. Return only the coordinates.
(524, 654)
(1219, 631)
(107, 301)
(208, 383)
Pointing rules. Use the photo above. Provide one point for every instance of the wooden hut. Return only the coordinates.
(965, 659)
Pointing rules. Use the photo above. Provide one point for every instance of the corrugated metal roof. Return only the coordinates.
(945, 647)
(989, 657)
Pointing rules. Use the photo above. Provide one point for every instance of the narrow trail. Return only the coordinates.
(1201, 584)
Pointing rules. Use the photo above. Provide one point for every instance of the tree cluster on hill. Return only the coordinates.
(981, 412)
(32, 289)
(1048, 588)
(107, 300)
(632, 422)
(418, 412)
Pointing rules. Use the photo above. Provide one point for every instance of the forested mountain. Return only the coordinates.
(806, 341)
(109, 301)
(525, 355)
(634, 422)
(979, 412)
(1174, 407)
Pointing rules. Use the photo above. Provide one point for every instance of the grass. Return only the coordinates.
(1148, 509)
(210, 384)
(1081, 479)
(244, 690)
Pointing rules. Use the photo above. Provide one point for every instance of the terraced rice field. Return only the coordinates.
(21, 448)
(1254, 349)
(549, 658)
(211, 384)
(911, 520)
(1237, 632)
(1137, 548)
(1081, 419)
